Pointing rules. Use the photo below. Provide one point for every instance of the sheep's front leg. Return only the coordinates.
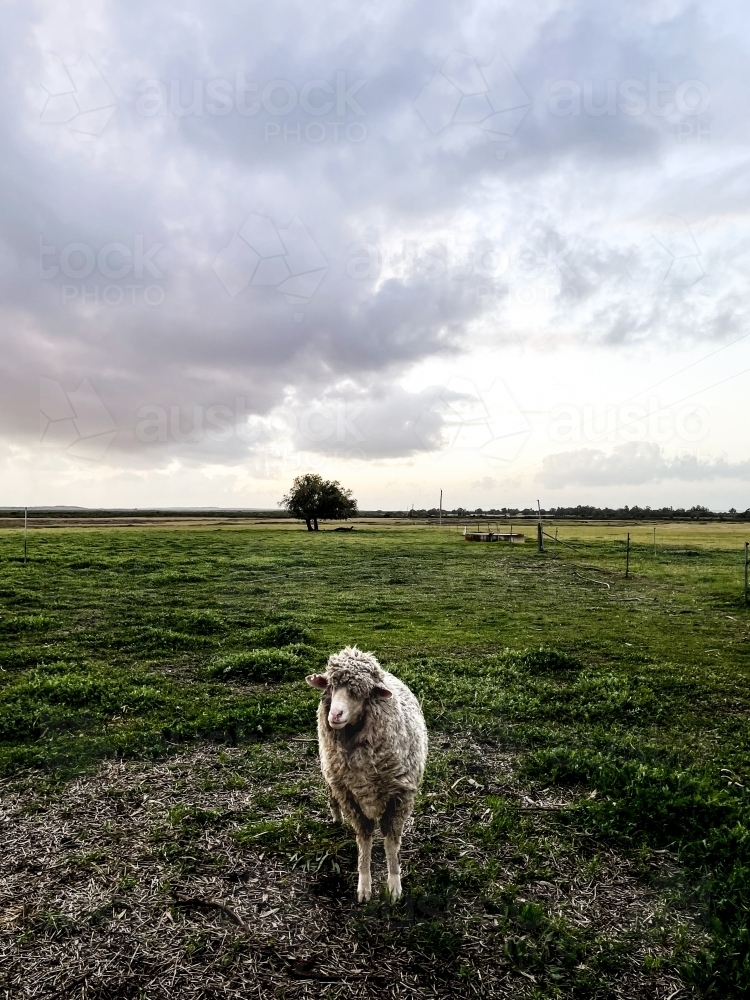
(364, 884)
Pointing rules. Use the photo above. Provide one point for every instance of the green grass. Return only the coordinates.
(128, 642)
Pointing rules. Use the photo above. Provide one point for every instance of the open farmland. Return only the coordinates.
(583, 825)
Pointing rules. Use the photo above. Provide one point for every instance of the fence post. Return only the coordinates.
(539, 530)
(654, 540)
(746, 545)
(627, 558)
(25, 530)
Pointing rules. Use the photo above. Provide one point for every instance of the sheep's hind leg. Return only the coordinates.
(392, 825)
(364, 883)
(392, 847)
(364, 829)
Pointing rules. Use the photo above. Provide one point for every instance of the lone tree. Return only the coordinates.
(313, 498)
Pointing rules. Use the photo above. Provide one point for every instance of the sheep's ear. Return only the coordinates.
(381, 691)
(317, 681)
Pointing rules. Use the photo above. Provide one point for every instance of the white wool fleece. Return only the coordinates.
(373, 756)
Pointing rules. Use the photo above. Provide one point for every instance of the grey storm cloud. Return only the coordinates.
(384, 423)
(633, 463)
(185, 189)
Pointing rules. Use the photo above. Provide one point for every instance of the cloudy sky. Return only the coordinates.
(495, 248)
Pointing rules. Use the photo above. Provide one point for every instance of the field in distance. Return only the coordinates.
(583, 828)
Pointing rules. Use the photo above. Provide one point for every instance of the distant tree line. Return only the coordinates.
(333, 502)
(581, 512)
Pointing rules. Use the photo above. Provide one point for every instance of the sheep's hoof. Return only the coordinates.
(394, 887)
(364, 891)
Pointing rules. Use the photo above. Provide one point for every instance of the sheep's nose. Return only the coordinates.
(336, 716)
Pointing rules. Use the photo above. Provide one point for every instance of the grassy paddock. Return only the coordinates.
(587, 730)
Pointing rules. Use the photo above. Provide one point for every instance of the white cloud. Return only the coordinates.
(633, 463)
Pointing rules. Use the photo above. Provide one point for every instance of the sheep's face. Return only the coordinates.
(345, 709)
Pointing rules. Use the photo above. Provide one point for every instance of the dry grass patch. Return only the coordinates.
(497, 901)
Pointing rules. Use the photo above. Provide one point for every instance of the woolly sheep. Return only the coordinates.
(373, 748)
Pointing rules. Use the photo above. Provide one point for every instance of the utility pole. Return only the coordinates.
(440, 512)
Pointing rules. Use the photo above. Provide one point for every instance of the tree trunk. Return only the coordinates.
(307, 522)
(315, 522)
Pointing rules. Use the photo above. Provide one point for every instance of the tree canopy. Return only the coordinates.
(312, 498)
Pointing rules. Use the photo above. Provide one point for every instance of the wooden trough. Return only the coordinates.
(511, 537)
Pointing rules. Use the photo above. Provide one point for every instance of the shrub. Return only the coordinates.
(264, 665)
(546, 660)
(282, 634)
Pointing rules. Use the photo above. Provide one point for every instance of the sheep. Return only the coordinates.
(373, 749)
